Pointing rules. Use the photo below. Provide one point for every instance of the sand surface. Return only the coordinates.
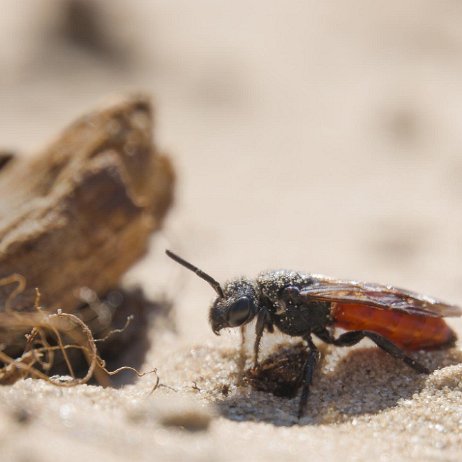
(317, 136)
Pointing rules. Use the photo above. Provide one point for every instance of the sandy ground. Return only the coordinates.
(318, 136)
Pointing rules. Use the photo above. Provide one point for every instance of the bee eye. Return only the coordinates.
(238, 312)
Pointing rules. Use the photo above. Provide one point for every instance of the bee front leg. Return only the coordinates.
(263, 320)
(307, 374)
(242, 357)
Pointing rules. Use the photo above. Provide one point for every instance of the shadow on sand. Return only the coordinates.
(363, 382)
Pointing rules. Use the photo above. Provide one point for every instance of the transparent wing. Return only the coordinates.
(377, 295)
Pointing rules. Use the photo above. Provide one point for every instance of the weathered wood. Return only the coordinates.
(80, 213)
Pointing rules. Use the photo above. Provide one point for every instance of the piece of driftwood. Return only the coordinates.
(76, 216)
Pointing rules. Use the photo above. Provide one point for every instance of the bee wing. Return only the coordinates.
(379, 296)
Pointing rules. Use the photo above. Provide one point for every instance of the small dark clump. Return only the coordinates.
(22, 415)
(279, 374)
(5, 157)
(225, 390)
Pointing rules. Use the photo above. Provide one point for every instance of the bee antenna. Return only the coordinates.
(215, 284)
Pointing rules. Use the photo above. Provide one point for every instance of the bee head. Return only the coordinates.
(235, 306)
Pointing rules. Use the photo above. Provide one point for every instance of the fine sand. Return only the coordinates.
(316, 136)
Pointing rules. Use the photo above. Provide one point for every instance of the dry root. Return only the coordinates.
(51, 335)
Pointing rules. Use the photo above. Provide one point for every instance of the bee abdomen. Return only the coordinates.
(406, 330)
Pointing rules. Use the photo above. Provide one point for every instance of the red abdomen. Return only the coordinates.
(408, 331)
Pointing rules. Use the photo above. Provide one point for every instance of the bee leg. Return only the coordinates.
(242, 357)
(263, 320)
(355, 336)
(307, 374)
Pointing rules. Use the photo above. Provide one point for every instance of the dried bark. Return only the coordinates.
(80, 213)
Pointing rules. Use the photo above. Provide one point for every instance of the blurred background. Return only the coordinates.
(322, 136)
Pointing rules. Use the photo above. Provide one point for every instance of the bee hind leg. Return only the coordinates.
(355, 336)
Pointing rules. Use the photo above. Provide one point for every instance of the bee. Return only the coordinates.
(305, 305)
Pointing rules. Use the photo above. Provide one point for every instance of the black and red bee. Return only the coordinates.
(303, 304)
